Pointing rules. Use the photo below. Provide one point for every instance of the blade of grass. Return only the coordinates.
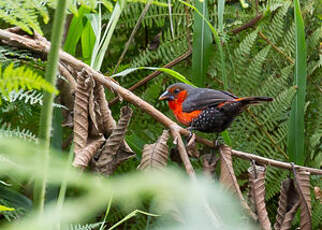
(296, 126)
(221, 9)
(47, 108)
(217, 40)
(88, 41)
(201, 44)
(75, 30)
(108, 208)
(171, 72)
(129, 216)
(99, 52)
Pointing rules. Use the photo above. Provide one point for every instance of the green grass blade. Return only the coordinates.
(217, 39)
(88, 41)
(296, 125)
(221, 9)
(201, 45)
(97, 59)
(129, 216)
(171, 72)
(75, 30)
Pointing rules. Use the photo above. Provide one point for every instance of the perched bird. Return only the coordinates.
(206, 110)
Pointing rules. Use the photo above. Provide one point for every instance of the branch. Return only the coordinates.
(175, 131)
(248, 24)
(275, 163)
(27, 43)
(289, 59)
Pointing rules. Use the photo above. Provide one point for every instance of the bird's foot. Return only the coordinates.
(217, 144)
(190, 134)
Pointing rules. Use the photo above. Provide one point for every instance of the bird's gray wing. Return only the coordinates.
(201, 98)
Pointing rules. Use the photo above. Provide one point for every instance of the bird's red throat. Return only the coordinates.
(176, 107)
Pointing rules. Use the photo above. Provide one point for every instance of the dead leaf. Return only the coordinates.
(81, 112)
(156, 155)
(287, 205)
(318, 193)
(257, 181)
(228, 178)
(106, 114)
(84, 157)
(302, 186)
(115, 150)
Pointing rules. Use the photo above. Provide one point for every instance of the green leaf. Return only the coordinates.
(100, 50)
(129, 216)
(221, 9)
(88, 41)
(296, 123)
(201, 44)
(75, 30)
(171, 72)
(217, 39)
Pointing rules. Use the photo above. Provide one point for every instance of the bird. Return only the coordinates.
(206, 110)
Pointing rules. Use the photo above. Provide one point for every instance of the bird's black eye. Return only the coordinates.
(177, 90)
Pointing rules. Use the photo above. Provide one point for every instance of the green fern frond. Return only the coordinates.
(12, 78)
(254, 74)
(276, 27)
(288, 41)
(84, 227)
(24, 14)
(29, 97)
(24, 134)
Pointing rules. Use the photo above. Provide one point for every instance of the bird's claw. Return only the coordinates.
(217, 144)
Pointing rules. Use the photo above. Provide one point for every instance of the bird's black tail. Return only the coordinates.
(254, 100)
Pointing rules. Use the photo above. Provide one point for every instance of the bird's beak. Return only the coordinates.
(166, 96)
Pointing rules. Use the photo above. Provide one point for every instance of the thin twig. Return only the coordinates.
(154, 74)
(175, 131)
(275, 163)
(248, 24)
(20, 41)
(135, 29)
(289, 59)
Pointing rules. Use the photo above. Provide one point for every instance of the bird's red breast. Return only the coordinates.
(176, 107)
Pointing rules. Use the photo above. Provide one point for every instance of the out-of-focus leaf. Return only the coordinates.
(4, 208)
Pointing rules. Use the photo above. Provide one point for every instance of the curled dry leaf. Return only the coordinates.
(209, 164)
(318, 193)
(81, 113)
(88, 152)
(91, 108)
(257, 181)
(287, 205)
(115, 151)
(192, 148)
(109, 123)
(302, 185)
(156, 155)
(228, 178)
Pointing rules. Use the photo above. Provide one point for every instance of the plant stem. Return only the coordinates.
(46, 110)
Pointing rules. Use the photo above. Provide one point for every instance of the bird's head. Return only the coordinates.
(176, 92)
